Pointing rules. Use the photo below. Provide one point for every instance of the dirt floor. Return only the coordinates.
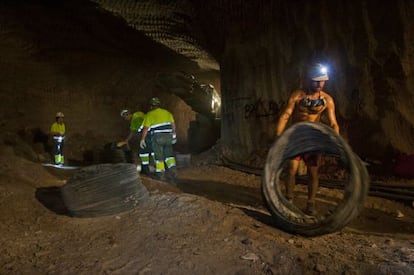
(213, 222)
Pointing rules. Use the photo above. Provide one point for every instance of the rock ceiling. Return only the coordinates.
(171, 23)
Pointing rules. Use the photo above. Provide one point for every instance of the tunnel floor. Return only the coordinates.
(213, 222)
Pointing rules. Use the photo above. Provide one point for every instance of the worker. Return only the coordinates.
(136, 119)
(159, 123)
(308, 104)
(57, 132)
(135, 122)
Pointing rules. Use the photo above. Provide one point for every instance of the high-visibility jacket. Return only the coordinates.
(136, 121)
(159, 121)
(58, 128)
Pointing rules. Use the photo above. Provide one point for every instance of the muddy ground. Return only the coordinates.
(213, 222)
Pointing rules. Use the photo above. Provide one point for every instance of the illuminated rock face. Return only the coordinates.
(100, 57)
(368, 47)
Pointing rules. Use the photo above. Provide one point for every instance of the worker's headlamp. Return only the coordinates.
(323, 70)
(319, 73)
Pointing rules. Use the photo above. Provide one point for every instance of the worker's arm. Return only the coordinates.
(144, 133)
(331, 114)
(126, 141)
(142, 143)
(131, 134)
(284, 117)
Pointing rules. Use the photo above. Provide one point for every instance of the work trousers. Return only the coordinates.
(58, 150)
(163, 151)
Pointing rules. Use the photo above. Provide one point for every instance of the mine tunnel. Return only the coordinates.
(224, 69)
(91, 59)
(225, 78)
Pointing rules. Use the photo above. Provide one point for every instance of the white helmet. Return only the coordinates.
(155, 101)
(60, 114)
(318, 72)
(124, 113)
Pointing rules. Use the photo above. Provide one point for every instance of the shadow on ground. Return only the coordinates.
(222, 192)
(248, 199)
(51, 198)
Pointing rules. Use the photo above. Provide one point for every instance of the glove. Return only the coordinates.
(142, 144)
(121, 143)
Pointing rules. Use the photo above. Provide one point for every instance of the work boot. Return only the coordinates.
(172, 175)
(159, 176)
(145, 170)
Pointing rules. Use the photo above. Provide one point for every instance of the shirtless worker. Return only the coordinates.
(308, 104)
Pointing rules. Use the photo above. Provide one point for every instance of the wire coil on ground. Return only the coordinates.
(306, 137)
(104, 189)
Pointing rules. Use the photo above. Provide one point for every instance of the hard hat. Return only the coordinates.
(124, 113)
(155, 101)
(60, 114)
(318, 72)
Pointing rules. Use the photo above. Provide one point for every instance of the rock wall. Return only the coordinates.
(84, 62)
(368, 46)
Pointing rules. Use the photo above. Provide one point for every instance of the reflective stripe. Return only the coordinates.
(160, 124)
(170, 162)
(159, 166)
(59, 138)
(162, 128)
(163, 131)
(144, 158)
(142, 128)
(59, 159)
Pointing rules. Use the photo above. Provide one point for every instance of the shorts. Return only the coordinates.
(311, 160)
